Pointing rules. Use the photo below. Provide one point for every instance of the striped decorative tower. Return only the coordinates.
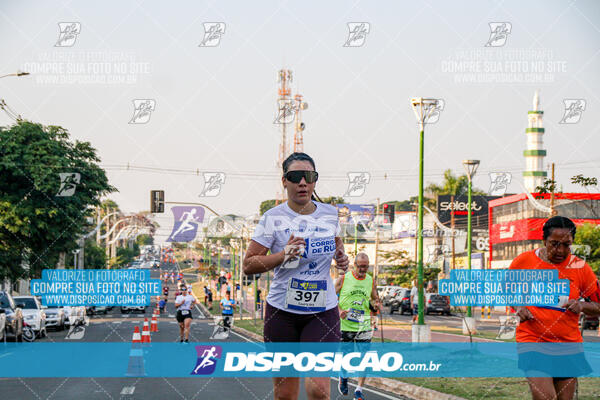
(534, 174)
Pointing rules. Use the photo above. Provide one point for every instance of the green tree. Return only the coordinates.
(404, 205)
(94, 255)
(266, 206)
(36, 225)
(333, 200)
(452, 185)
(589, 234)
(144, 240)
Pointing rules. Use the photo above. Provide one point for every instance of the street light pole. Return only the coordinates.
(355, 238)
(471, 168)
(423, 108)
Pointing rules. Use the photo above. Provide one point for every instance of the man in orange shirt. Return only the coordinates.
(557, 324)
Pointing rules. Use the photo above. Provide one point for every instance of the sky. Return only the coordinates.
(213, 107)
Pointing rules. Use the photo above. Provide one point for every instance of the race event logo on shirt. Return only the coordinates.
(316, 247)
(207, 359)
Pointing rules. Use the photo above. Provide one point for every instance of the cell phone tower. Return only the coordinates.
(284, 116)
(299, 106)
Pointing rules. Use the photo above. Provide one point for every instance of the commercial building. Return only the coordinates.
(516, 221)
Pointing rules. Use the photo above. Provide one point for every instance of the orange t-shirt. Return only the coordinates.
(553, 325)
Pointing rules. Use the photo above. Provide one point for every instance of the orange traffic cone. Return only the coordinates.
(154, 325)
(146, 332)
(136, 335)
(135, 366)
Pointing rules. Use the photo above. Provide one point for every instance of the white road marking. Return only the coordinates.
(127, 390)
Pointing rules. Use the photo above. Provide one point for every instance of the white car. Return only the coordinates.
(2, 325)
(147, 265)
(33, 314)
(55, 317)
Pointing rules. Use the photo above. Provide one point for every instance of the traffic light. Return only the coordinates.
(157, 201)
(389, 212)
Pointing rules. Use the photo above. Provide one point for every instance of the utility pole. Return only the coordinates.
(107, 239)
(553, 211)
(452, 227)
(416, 241)
(98, 219)
(376, 268)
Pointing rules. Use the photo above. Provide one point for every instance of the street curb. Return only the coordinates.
(386, 384)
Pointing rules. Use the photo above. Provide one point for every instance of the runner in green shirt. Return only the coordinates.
(358, 300)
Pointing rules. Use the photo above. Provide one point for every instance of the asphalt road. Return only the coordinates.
(116, 327)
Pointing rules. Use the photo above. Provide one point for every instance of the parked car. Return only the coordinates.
(437, 303)
(128, 309)
(92, 310)
(13, 316)
(390, 295)
(2, 324)
(55, 317)
(33, 314)
(401, 302)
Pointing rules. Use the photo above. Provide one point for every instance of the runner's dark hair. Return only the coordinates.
(558, 222)
(300, 157)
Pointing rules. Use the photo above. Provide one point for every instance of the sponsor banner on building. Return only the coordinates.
(479, 210)
(477, 261)
(349, 213)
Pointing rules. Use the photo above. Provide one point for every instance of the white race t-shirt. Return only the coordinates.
(308, 288)
(414, 295)
(186, 300)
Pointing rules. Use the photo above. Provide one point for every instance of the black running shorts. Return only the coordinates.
(284, 326)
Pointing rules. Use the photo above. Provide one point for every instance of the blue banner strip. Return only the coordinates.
(232, 359)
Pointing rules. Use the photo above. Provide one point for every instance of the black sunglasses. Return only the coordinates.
(296, 176)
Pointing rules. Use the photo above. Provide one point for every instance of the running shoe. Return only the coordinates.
(343, 386)
(186, 341)
(358, 395)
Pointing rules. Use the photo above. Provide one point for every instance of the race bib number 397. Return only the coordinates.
(306, 295)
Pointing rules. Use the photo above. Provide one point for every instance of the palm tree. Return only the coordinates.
(452, 185)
